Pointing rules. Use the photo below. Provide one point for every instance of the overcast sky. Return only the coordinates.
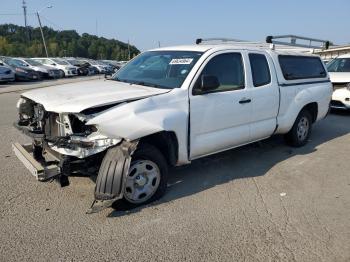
(172, 22)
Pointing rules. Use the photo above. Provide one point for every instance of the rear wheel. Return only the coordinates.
(147, 178)
(299, 134)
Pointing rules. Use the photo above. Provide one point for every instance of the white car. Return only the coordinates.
(339, 72)
(169, 106)
(65, 68)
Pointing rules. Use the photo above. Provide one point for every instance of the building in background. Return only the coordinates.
(333, 51)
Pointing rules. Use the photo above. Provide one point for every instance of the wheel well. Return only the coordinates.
(166, 142)
(313, 109)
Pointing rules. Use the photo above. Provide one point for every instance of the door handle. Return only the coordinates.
(245, 100)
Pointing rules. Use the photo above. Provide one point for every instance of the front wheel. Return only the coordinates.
(299, 134)
(147, 178)
(62, 74)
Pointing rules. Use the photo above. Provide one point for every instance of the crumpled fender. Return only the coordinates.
(137, 119)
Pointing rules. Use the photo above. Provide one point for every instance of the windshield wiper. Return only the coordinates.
(141, 83)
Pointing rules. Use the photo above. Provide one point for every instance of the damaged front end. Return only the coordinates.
(61, 141)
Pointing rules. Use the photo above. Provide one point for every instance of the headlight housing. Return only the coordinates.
(25, 108)
(20, 102)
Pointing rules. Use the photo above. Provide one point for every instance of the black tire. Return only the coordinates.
(295, 139)
(62, 74)
(147, 152)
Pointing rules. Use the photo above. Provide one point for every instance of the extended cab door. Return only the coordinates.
(220, 119)
(265, 95)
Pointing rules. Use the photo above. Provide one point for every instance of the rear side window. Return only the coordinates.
(301, 67)
(260, 69)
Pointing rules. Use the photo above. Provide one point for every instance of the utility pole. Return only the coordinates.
(42, 34)
(24, 5)
(129, 49)
(96, 27)
(24, 12)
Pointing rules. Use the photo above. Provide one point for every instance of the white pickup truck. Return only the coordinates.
(167, 107)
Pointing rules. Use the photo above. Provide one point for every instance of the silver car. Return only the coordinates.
(6, 73)
(45, 71)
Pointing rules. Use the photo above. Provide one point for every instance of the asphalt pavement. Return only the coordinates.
(261, 202)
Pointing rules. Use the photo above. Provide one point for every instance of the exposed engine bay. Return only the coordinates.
(64, 133)
(63, 139)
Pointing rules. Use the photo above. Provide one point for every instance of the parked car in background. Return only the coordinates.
(102, 68)
(65, 68)
(122, 63)
(83, 68)
(92, 69)
(113, 64)
(6, 73)
(339, 72)
(22, 72)
(45, 71)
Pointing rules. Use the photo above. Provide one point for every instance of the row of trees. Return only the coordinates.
(18, 41)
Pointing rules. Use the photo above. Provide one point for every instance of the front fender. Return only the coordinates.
(166, 112)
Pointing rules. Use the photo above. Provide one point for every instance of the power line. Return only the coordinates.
(16, 14)
(11, 14)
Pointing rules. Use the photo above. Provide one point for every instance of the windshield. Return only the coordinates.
(339, 65)
(161, 69)
(73, 61)
(32, 62)
(60, 62)
(16, 62)
(93, 62)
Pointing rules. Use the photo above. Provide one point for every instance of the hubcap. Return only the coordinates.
(303, 128)
(142, 181)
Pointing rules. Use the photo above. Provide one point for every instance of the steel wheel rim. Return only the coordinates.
(142, 181)
(303, 128)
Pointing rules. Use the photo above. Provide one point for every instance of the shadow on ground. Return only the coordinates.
(249, 161)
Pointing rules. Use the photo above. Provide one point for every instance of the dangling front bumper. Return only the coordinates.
(42, 171)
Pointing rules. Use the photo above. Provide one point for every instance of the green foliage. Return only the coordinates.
(17, 41)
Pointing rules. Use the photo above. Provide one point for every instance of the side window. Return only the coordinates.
(301, 67)
(260, 69)
(229, 70)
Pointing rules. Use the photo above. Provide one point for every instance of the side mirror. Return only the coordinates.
(209, 83)
(1, 64)
(53, 64)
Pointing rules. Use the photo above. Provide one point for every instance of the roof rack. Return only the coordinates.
(270, 42)
(293, 41)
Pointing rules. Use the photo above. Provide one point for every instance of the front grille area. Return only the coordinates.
(336, 103)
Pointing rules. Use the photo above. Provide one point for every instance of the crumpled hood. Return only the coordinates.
(76, 97)
(339, 77)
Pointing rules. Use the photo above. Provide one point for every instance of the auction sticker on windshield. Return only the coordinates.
(181, 61)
